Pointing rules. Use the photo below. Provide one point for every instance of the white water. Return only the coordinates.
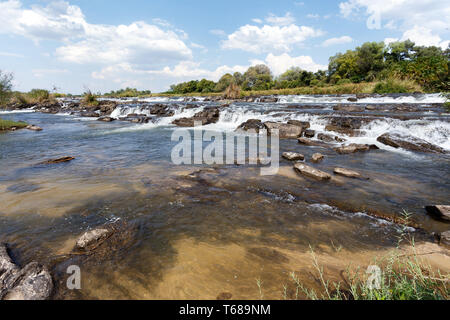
(435, 132)
(411, 99)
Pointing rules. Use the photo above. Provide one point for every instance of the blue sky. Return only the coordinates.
(104, 45)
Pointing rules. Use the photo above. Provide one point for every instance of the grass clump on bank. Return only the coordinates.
(9, 124)
(90, 99)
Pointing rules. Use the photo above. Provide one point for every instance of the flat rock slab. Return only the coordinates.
(353, 148)
(440, 211)
(293, 156)
(406, 142)
(311, 172)
(285, 131)
(59, 160)
(348, 173)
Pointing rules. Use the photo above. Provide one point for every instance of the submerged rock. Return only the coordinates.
(349, 108)
(311, 172)
(33, 282)
(92, 239)
(440, 211)
(317, 157)
(397, 140)
(445, 238)
(106, 119)
(59, 160)
(293, 156)
(347, 173)
(326, 137)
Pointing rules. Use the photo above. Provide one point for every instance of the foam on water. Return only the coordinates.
(397, 99)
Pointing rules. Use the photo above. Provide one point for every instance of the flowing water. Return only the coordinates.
(198, 231)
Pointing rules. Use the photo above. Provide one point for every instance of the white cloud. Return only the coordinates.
(313, 16)
(281, 63)
(269, 38)
(138, 43)
(257, 21)
(336, 41)
(217, 32)
(423, 36)
(431, 14)
(388, 41)
(285, 20)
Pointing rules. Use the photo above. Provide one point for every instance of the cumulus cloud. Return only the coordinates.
(269, 38)
(336, 41)
(138, 43)
(281, 63)
(423, 36)
(403, 14)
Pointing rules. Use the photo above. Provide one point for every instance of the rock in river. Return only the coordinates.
(33, 282)
(252, 124)
(34, 128)
(439, 211)
(286, 131)
(445, 238)
(293, 156)
(311, 172)
(59, 160)
(317, 157)
(354, 147)
(92, 239)
(398, 140)
(347, 173)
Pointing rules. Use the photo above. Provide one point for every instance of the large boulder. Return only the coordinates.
(311, 172)
(161, 110)
(33, 282)
(411, 143)
(205, 117)
(285, 131)
(347, 125)
(252, 124)
(440, 211)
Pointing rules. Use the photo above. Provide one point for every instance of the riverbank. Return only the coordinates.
(9, 125)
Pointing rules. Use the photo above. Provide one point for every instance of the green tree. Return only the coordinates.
(5, 86)
(258, 77)
(224, 83)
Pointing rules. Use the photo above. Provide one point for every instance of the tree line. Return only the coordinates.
(372, 61)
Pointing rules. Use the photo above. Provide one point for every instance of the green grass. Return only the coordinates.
(90, 99)
(8, 124)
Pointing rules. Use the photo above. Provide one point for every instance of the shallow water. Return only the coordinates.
(199, 235)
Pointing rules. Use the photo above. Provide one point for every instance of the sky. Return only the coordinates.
(107, 45)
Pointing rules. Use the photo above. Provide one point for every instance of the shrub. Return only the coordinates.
(39, 95)
(5, 86)
(396, 85)
(90, 99)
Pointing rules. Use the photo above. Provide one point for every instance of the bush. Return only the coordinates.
(232, 92)
(39, 95)
(8, 124)
(395, 85)
(90, 99)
